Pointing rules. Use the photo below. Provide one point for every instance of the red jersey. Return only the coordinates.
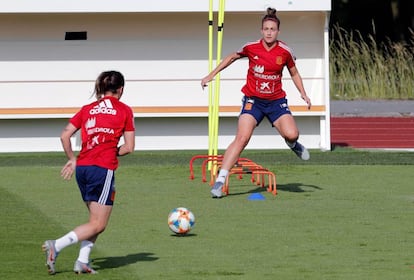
(264, 76)
(102, 124)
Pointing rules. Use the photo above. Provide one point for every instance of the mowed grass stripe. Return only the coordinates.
(327, 222)
(339, 156)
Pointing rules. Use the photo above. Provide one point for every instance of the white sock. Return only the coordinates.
(291, 144)
(66, 240)
(85, 250)
(222, 175)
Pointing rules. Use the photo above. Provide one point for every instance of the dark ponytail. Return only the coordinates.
(108, 81)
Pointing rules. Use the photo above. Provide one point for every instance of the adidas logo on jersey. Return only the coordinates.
(104, 107)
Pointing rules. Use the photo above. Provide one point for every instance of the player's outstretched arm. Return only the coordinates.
(223, 64)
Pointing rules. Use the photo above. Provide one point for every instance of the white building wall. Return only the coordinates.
(126, 6)
(162, 51)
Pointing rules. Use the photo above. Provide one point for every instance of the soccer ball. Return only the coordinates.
(181, 220)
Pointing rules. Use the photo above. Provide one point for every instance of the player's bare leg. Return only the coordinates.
(245, 128)
(287, 128)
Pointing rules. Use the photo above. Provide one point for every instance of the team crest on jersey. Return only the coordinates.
(279, 60)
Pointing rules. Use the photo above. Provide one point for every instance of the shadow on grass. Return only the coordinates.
(183, 235)
(255, 190)
(114, 262)
(293, 187)
(296, 187)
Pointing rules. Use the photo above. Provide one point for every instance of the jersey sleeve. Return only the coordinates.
(76, 120)
(290, 62)
(243, 51)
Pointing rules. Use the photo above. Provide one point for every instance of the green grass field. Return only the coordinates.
(345, 214)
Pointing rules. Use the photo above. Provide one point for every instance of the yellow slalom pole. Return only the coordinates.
(210, 88)
(220, 26)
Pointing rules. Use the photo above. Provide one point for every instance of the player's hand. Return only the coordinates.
(68, 170)
(205, 81)
(308, 101)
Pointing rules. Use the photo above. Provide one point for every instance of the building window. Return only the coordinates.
(78, 35)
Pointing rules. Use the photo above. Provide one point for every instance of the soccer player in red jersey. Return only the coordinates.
(102, 124)
(263, 94)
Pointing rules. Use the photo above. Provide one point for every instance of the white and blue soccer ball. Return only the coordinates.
(181, 220)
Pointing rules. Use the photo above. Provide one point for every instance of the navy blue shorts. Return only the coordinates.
(96, 184)
(260, 108)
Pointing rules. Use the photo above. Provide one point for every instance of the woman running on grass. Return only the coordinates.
(263, 94)
(102, 124)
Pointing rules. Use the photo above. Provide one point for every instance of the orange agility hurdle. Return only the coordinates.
(258, 176)
(242, 166)
(208, 157)
(213, 174)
